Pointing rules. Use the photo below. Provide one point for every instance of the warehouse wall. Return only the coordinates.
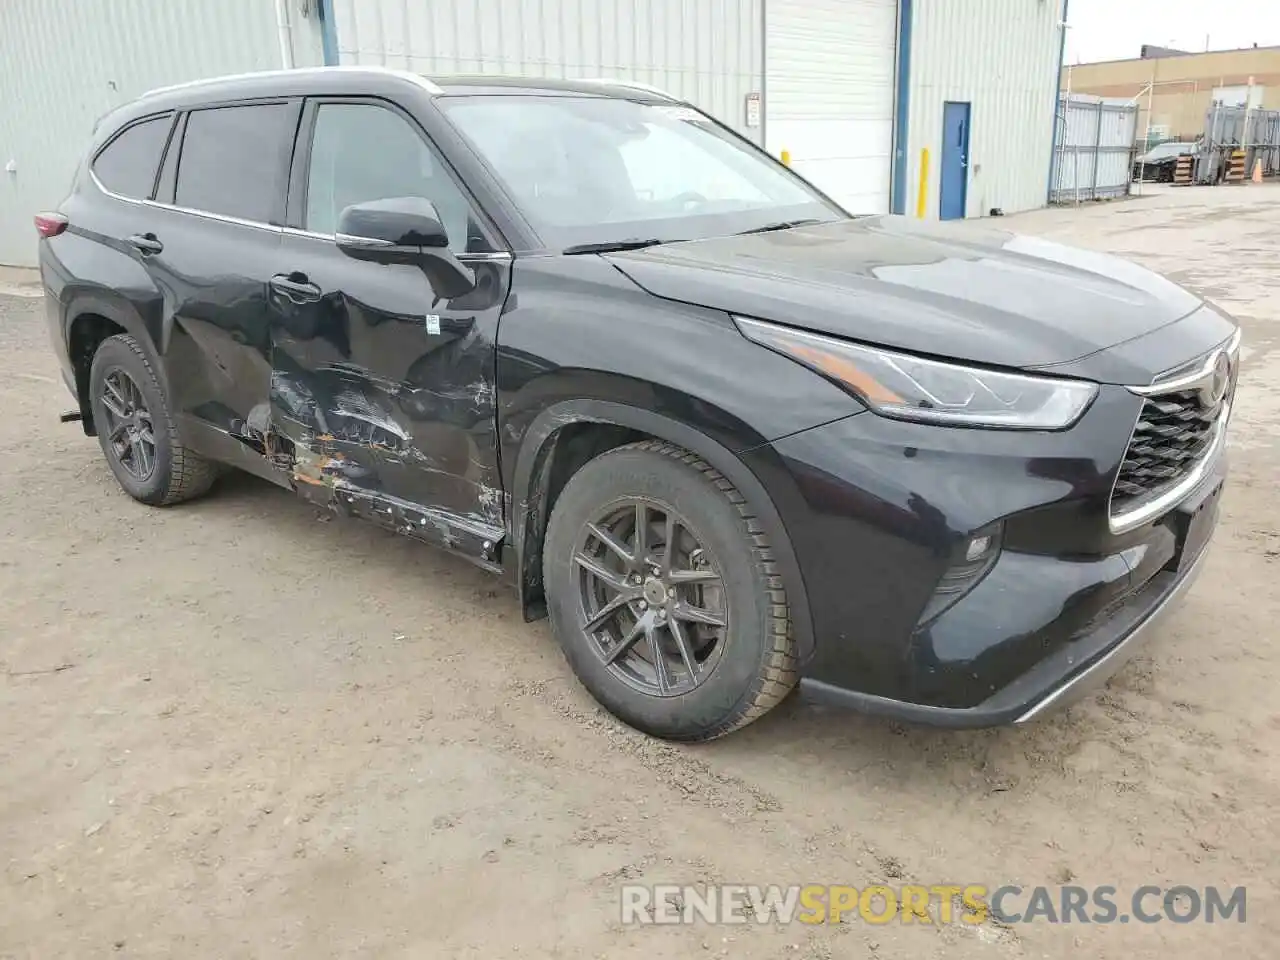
(1184, 85)
(707, 52)
(1002, 56)
(64, 63)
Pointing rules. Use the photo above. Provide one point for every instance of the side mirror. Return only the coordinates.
(404, 230)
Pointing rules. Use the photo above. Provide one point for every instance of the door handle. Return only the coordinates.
(146, 243)
(296, 287)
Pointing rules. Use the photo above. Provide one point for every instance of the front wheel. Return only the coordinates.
(665, 596)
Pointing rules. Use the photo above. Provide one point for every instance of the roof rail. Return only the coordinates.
(635, 85)
(420, 80)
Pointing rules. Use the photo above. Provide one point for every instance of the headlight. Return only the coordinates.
(912, 388)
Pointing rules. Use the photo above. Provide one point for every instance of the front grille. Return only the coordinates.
(1176, 430)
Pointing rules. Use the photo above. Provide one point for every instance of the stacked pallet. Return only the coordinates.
(1236, 167)
(1184, 170)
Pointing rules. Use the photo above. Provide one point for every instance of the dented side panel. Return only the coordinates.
(382, 396)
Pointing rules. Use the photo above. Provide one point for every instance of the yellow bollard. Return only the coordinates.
(922, 194)
(785, 157)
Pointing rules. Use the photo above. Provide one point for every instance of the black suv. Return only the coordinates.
(726, 435)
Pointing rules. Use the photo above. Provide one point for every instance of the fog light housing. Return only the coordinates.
(971, 559)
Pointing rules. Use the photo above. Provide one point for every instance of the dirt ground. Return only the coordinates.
(237, 729)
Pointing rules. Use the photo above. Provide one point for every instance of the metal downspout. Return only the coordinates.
(328, 33)
(902, 114)
(1057, 97)
(285, 34)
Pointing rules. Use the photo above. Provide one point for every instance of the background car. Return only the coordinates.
(1160, 162)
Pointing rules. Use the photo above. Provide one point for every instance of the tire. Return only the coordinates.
(746, 667)
(176, 473)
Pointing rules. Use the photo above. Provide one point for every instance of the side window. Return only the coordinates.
(235, 160)
(362, 152)
(127, 166)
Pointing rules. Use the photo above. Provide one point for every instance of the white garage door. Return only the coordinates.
(829, 83)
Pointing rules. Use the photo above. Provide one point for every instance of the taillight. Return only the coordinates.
(50, 224)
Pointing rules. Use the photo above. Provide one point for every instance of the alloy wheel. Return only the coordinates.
(652, 597)
(128, 429)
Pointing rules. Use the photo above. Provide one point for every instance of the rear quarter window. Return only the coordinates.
(235, 161)
(127, 165)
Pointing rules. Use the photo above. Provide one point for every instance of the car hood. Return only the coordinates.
(941, 289)
(1158, 154)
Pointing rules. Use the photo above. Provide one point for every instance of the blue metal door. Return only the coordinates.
(954, 173)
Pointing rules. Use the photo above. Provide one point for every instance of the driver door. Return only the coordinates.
(384, 388)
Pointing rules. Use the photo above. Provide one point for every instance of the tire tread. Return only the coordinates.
(190, 475)
(779, 673)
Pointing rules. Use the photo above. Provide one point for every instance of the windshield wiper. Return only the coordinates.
(610, 246)
(781, 225)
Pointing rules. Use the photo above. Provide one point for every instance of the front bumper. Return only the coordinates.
(875, 508)
(1055, 681)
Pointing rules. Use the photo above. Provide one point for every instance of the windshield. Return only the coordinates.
(590, 170)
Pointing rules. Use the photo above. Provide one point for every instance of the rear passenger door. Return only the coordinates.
(385, 387)
(216, 235)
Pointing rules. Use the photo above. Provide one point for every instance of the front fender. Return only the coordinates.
(530, 478)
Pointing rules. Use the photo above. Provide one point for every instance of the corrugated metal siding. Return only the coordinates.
(1001, 56)
(1093, 152)
(829, 99)
(64, 63)
(708, 52)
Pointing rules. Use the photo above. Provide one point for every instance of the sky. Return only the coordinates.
(1117, 29)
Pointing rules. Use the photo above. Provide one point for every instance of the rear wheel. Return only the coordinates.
(665, 596)
(139, 439)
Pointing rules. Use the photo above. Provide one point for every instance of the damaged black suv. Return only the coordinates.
(727, 436)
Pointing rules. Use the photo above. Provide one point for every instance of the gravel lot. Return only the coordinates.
(237, 729)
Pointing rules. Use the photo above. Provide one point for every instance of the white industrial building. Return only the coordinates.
(932, 108)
